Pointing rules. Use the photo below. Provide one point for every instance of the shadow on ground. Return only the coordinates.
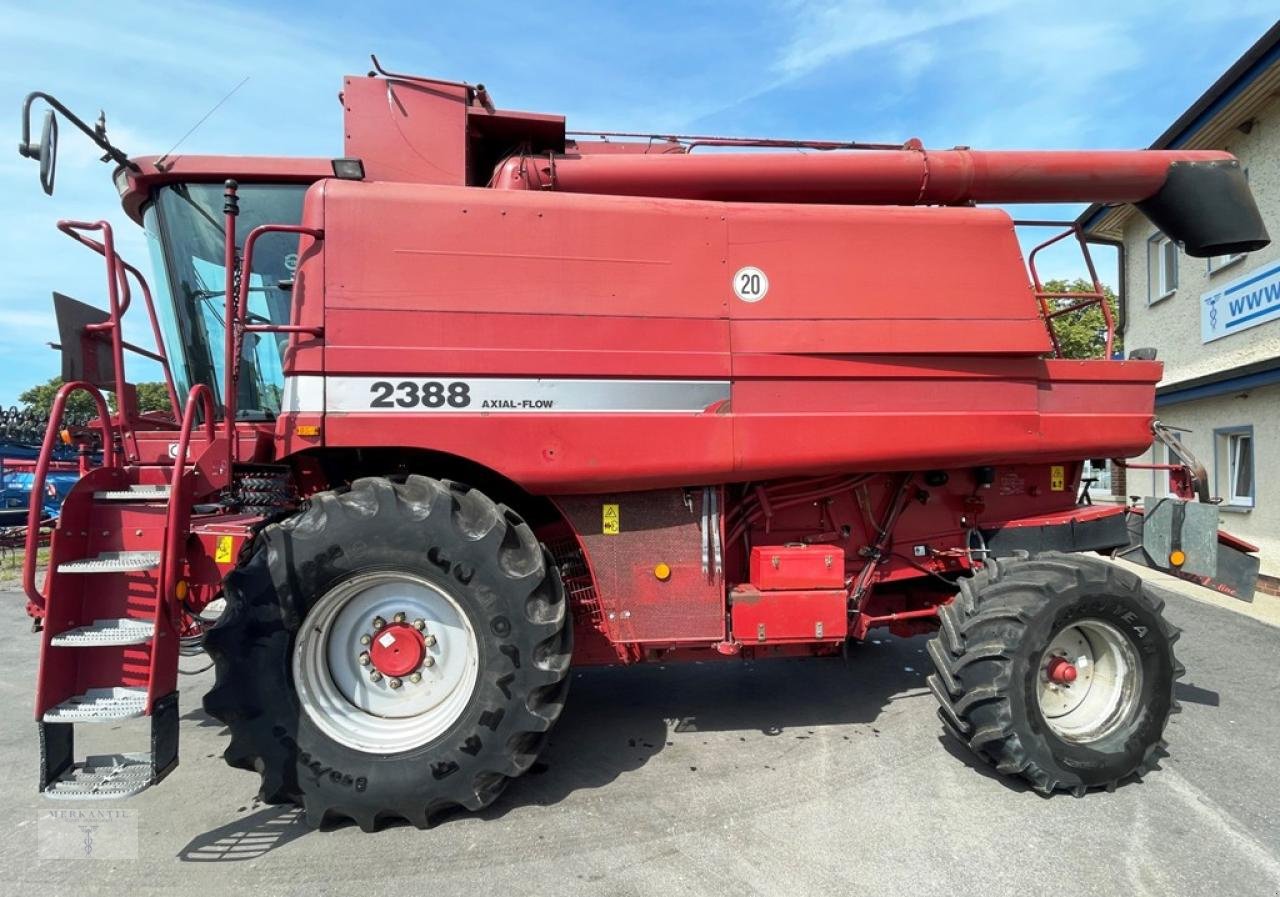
(616, 719)
(247, 839)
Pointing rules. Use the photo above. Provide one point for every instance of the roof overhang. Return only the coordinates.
(136, 186)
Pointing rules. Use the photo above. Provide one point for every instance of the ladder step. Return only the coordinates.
(100, 705)
(134, 493)
(113, 562)
(99, 633)
(102, 777)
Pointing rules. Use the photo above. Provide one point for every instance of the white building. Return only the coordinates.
(1216, 322)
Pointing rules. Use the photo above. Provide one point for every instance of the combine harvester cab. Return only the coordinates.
(483, 398)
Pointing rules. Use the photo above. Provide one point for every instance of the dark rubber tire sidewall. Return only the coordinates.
(476, 551)
(1123, 750)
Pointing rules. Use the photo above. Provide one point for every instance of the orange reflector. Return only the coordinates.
(1177, 558)
(307, 430)
(65, 436)
(180, 590)
(662, 571)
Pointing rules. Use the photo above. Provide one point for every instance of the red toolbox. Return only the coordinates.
(778, 567)
(778, 617)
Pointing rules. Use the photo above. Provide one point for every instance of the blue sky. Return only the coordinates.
(988, 73)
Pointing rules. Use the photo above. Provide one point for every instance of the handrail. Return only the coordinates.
(200, 394)
(118, 281)
(1098, 296)
(36, 600)
(115, 280)
(238, 314)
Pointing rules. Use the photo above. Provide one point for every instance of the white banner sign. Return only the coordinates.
(1249, 300)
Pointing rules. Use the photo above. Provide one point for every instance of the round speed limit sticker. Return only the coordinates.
(750, 284)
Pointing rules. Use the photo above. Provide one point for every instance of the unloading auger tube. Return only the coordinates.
(1198, 198)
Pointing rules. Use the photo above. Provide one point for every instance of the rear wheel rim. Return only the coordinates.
(339, 685)
(1104, 694)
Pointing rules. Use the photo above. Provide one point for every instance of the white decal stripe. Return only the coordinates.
(452, 394)
(303, 394)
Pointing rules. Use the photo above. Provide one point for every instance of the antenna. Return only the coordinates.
(160, 162)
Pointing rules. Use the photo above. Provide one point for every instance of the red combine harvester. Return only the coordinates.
(482, 399)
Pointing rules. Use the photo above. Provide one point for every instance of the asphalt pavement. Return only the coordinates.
(773, 778)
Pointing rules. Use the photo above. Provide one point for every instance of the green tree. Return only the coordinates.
(40, 399)
(1083, 333)
(152, 396)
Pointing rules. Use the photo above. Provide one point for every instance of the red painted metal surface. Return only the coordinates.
(1061, 671)
(810, 615)
(775, 567)
(892, 177)
(397, 650)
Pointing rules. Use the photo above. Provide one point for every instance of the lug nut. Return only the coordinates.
(375, 676)
(364, 659)
(416, 677)
(399, 618)
(394, 683)
(428, 661)
(419, 625)
(378, 622)
(429, 641)
(365, 639)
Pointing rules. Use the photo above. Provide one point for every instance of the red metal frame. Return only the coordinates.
(1084, 300)
(36, 599)
(119, 297)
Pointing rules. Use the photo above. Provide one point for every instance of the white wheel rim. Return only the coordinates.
(356, 705)
(1107, 684)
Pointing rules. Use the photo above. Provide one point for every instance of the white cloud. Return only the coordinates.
(828, 30)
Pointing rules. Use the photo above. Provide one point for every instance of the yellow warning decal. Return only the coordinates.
(1057, 478)
(222, 554)
(609, 520)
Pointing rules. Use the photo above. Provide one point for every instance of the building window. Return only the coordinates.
(1218, 262)
(1234, 461)
(1162, 268)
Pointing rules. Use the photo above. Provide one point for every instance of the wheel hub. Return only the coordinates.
(385, 662)
(1061, 671)
(1089, 682)
(397, 650)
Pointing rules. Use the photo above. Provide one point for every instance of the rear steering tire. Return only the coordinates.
(394, 650)
(1058, 669)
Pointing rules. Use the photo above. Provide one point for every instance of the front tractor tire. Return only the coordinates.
(393, 650)
(1058, 669)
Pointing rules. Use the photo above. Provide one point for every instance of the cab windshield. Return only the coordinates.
(185, 232)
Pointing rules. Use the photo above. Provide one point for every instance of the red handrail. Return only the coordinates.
(118, 286)
(200, 394)
(1097, 297)
(237, 314)
(35, 598)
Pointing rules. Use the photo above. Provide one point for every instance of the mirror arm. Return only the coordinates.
(98, 135)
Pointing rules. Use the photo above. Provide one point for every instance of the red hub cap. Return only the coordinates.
(1062, 671)
(397, 650)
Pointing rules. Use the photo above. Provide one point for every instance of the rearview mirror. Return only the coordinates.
(48, 152)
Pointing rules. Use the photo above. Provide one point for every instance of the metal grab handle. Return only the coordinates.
(200, 397)
(35, 598)
(236, 314)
